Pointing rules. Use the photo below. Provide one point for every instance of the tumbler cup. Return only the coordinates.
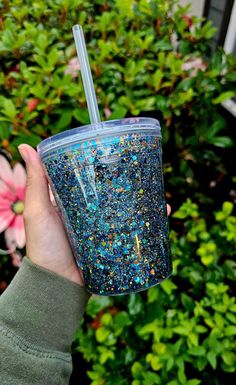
(107, 180)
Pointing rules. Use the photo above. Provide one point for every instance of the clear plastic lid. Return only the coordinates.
(92, 131)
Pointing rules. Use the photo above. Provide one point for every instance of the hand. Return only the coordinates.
(46, 241)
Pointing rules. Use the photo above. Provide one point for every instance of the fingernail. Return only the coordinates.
(24, 152)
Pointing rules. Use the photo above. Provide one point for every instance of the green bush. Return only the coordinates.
(181, 332)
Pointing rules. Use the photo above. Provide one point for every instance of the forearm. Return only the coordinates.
(39, 314)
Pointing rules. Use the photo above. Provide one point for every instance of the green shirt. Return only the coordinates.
(39, 314)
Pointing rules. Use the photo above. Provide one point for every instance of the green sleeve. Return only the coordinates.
(39, 314)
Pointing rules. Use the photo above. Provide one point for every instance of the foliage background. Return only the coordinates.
(181, 332)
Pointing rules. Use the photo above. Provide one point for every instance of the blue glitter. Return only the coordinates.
(110, 193)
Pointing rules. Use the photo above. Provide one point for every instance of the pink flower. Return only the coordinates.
(12, 196)
(73, 67)
(193, 66)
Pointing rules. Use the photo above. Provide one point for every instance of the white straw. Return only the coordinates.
(86, 74)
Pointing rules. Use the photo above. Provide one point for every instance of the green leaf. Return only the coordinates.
(227, 208)
(170, 363)
(200, 329)
(173, 382)
(193, 338)
(130, 356)
(157, 78)
(154, 361)
(187, 209)
(153, 294)
(221, 141)
(181, 330)
(230, 331)
(106, 319)
(231, 77)
(137, 370)
(151, 378)
(164, 44)
(233, 308)
(63, 122)
(118, 113)
(40, 60)
(39, 90)
(53, 57)
(216, 127)
(197, 351)
(194, 381)
(180, 214)
(148, 328)
(224, 96)
(81, 115)
(230, 269)
(100, 381)
(168, 286)
(201, 363)
(219, 320)
(135, 304)
(135, 382)
(9, 109)
(122, 319)
(32, 140)
(229, 358)
(93, 375)
(185, 84)
(211, 356)
(96, 304)
(231, 318)
(5, 130)
(105, 354)
(187, 301)
(181, 376)
(102, 334)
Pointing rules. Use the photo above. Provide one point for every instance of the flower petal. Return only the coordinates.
(5, 204)
(6, 173)
(3, 187)
(6, 218)
(15, 233)
(6, 193)
(19, 180)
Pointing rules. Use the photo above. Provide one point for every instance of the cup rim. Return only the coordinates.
(99, 130)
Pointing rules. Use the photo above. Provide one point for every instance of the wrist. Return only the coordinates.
(68, 270)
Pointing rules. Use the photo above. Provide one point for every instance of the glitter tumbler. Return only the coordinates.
(107, 180)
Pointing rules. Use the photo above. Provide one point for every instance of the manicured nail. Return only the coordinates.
(22, 148)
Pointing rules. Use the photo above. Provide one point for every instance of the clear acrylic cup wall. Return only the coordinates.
(107, 180)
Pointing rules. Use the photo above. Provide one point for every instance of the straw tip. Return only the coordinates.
(76, 27)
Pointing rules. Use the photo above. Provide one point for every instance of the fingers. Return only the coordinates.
(168, 209)
(37, 195)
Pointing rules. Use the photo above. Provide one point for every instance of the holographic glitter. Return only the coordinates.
(111, 197)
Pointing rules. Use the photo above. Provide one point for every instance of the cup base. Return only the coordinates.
(131, 291)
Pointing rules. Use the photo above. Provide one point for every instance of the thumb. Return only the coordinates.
(37, 193)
